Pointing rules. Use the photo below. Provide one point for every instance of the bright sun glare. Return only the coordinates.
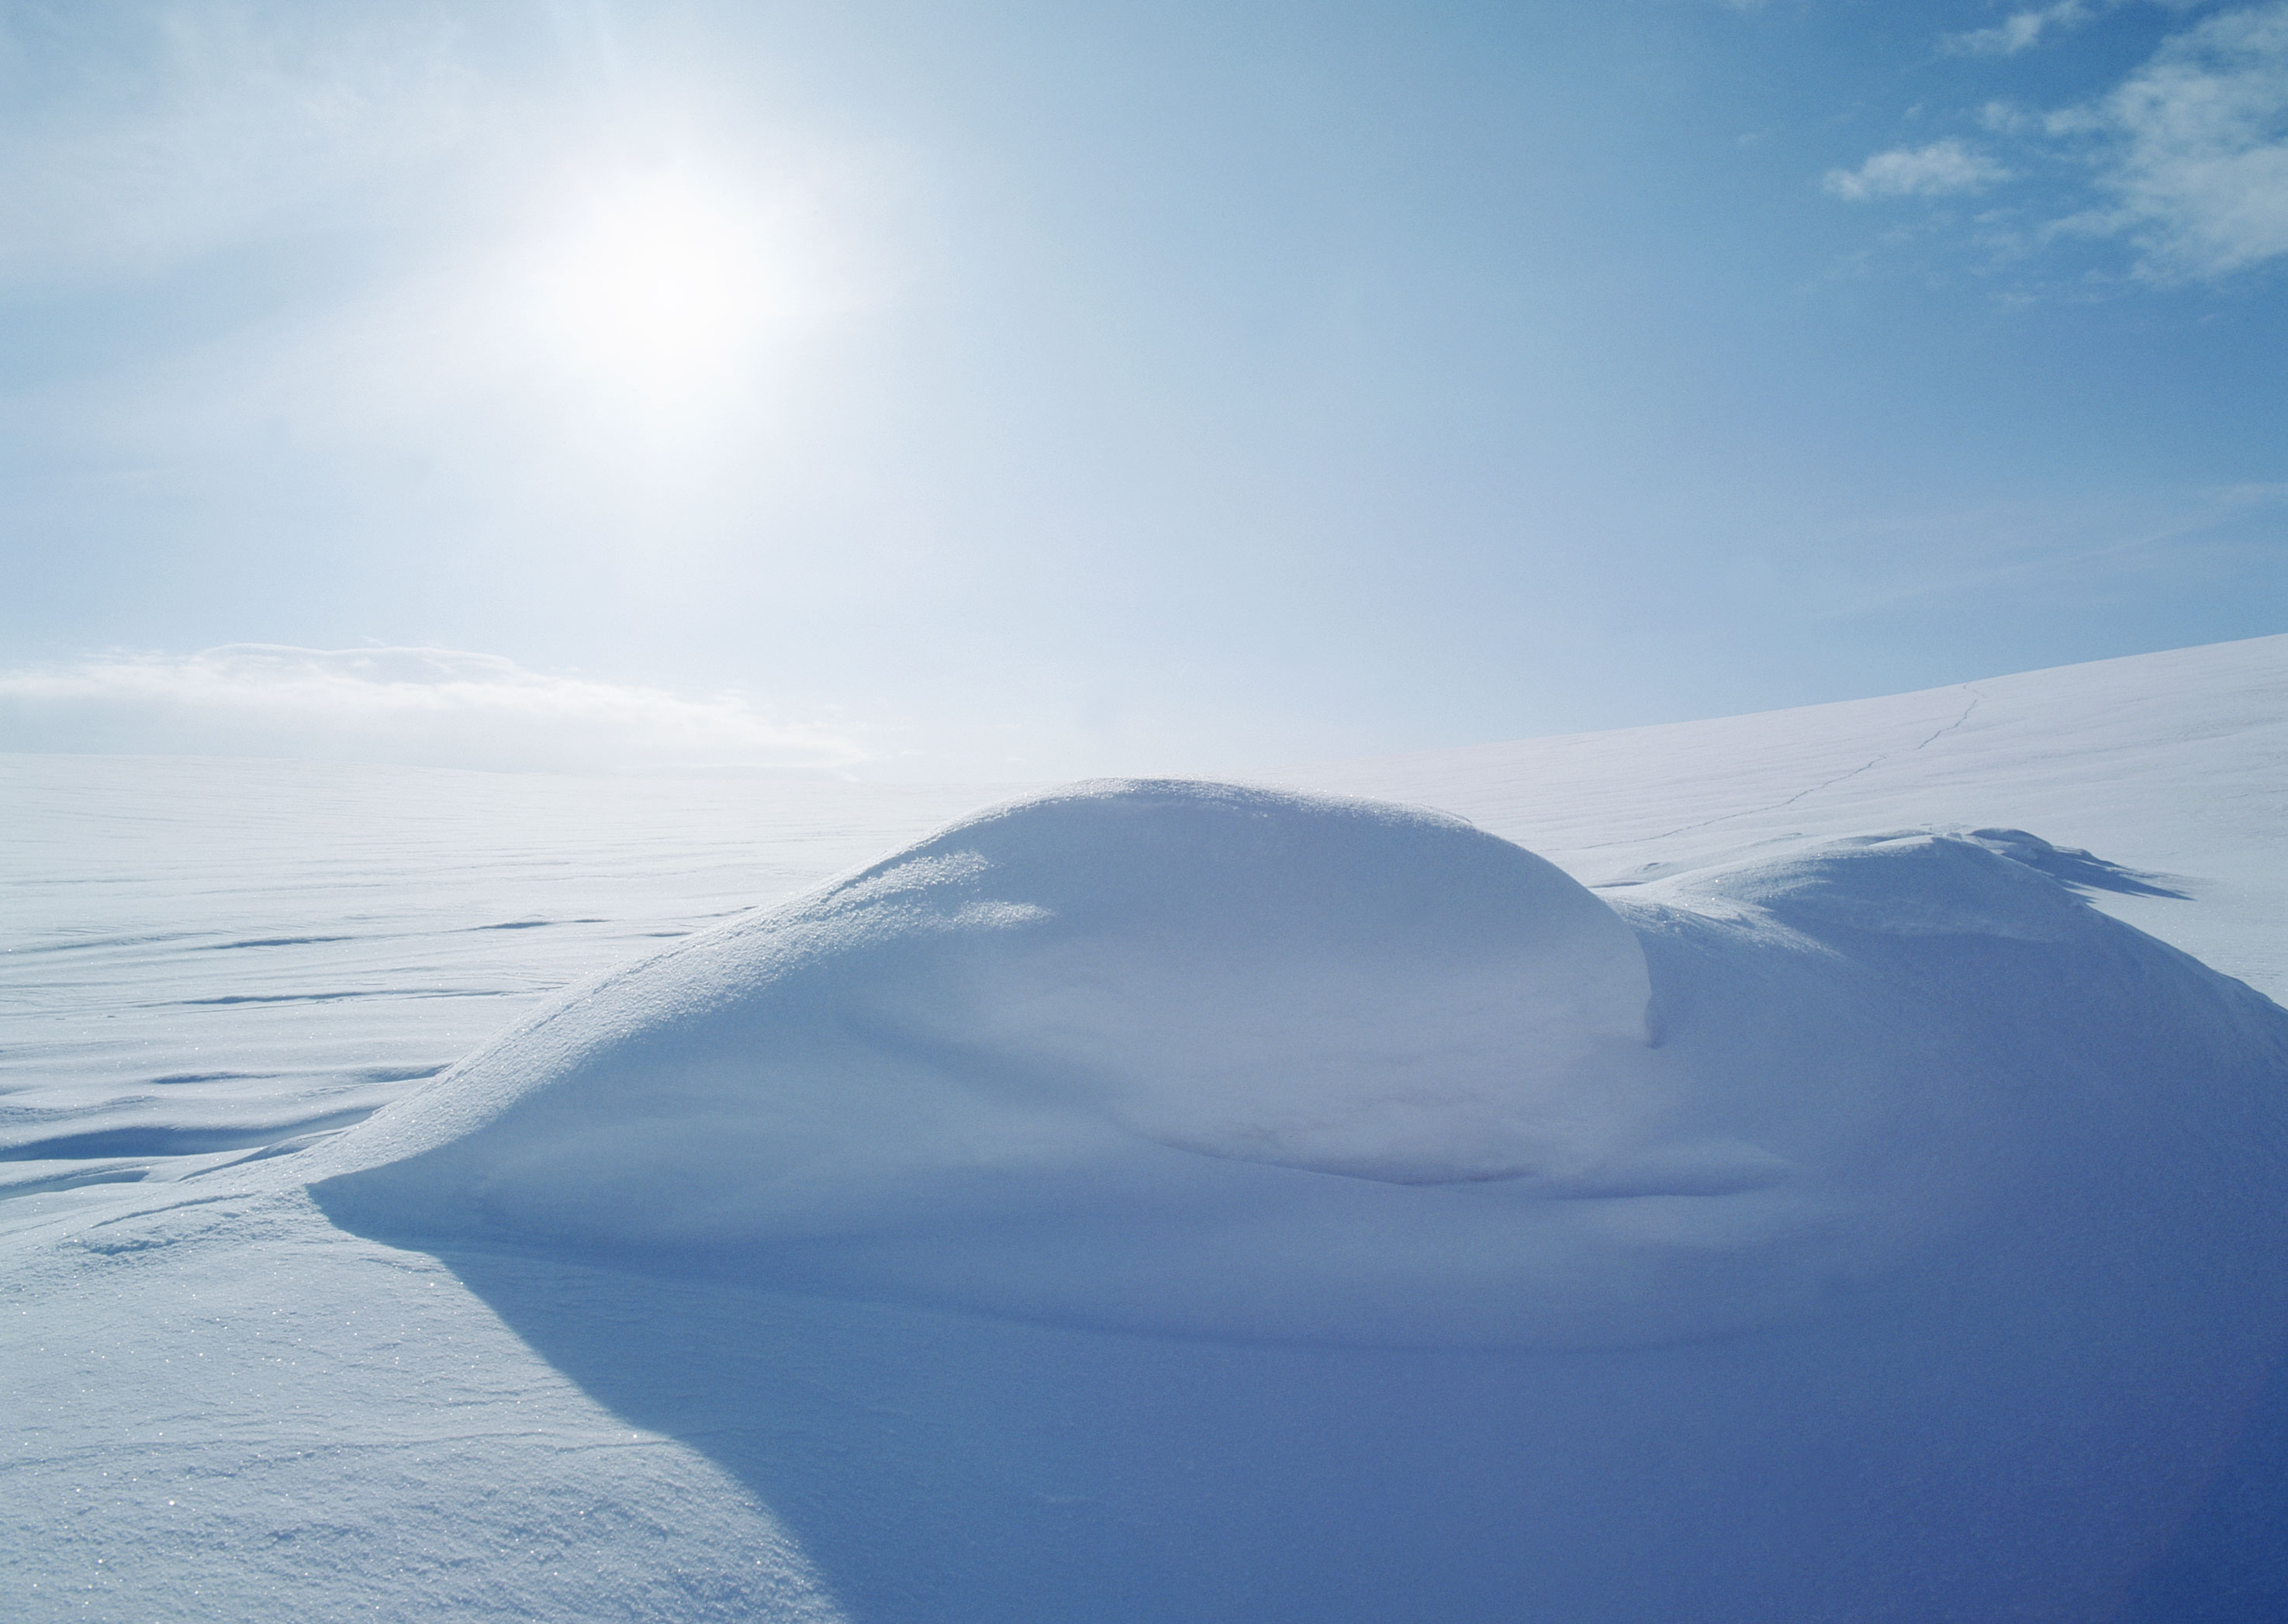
(661, 283)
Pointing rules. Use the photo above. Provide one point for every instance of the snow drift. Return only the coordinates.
(1237, 1064)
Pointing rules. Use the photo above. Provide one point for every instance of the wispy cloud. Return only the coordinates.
(2019, 31)
(1935, 171)
(186, 130)
(2083, 552)
(2193, 148)
(426, 707)
(2187, 157)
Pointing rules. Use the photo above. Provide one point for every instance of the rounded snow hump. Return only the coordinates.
(1218, 1061)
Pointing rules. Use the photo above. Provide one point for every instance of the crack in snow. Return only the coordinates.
(1750, 811)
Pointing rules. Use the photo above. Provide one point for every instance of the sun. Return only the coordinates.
(661, 282)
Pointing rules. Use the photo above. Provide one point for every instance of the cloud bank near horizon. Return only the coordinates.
(412, 707)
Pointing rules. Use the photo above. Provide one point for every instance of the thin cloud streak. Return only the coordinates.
(1998, 547)
(425, 707)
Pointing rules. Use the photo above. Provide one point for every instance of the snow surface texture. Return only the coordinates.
(210, 959)
(1991, 1332)
(1220, 1062)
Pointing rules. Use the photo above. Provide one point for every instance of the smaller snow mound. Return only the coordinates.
(2070, 865)
(1912, 884)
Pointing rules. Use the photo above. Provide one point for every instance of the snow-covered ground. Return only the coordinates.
(1869, 1230)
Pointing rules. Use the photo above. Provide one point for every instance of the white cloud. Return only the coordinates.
(2194, 148)
(1934, 170)
(2019, 31)
(424, 707)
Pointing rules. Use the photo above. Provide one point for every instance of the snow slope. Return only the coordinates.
(2172, 766)
(1979, 1186)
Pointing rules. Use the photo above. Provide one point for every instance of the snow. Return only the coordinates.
(1853, 1194)
(2175, 764)
(209, 954)
(1095, 989)
(1065, 1059)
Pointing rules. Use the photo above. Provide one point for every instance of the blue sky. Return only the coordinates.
(1021, 390)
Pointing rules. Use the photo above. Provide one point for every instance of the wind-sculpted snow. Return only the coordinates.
(1237, 1064)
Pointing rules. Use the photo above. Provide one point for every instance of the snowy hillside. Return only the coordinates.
(1842, 1181)
(2175, 763)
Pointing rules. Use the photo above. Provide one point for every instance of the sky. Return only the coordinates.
(1009, 390)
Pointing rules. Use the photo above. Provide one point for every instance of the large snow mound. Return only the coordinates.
(1238, 1062)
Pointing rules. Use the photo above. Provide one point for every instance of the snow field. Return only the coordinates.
(1893, 1239)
